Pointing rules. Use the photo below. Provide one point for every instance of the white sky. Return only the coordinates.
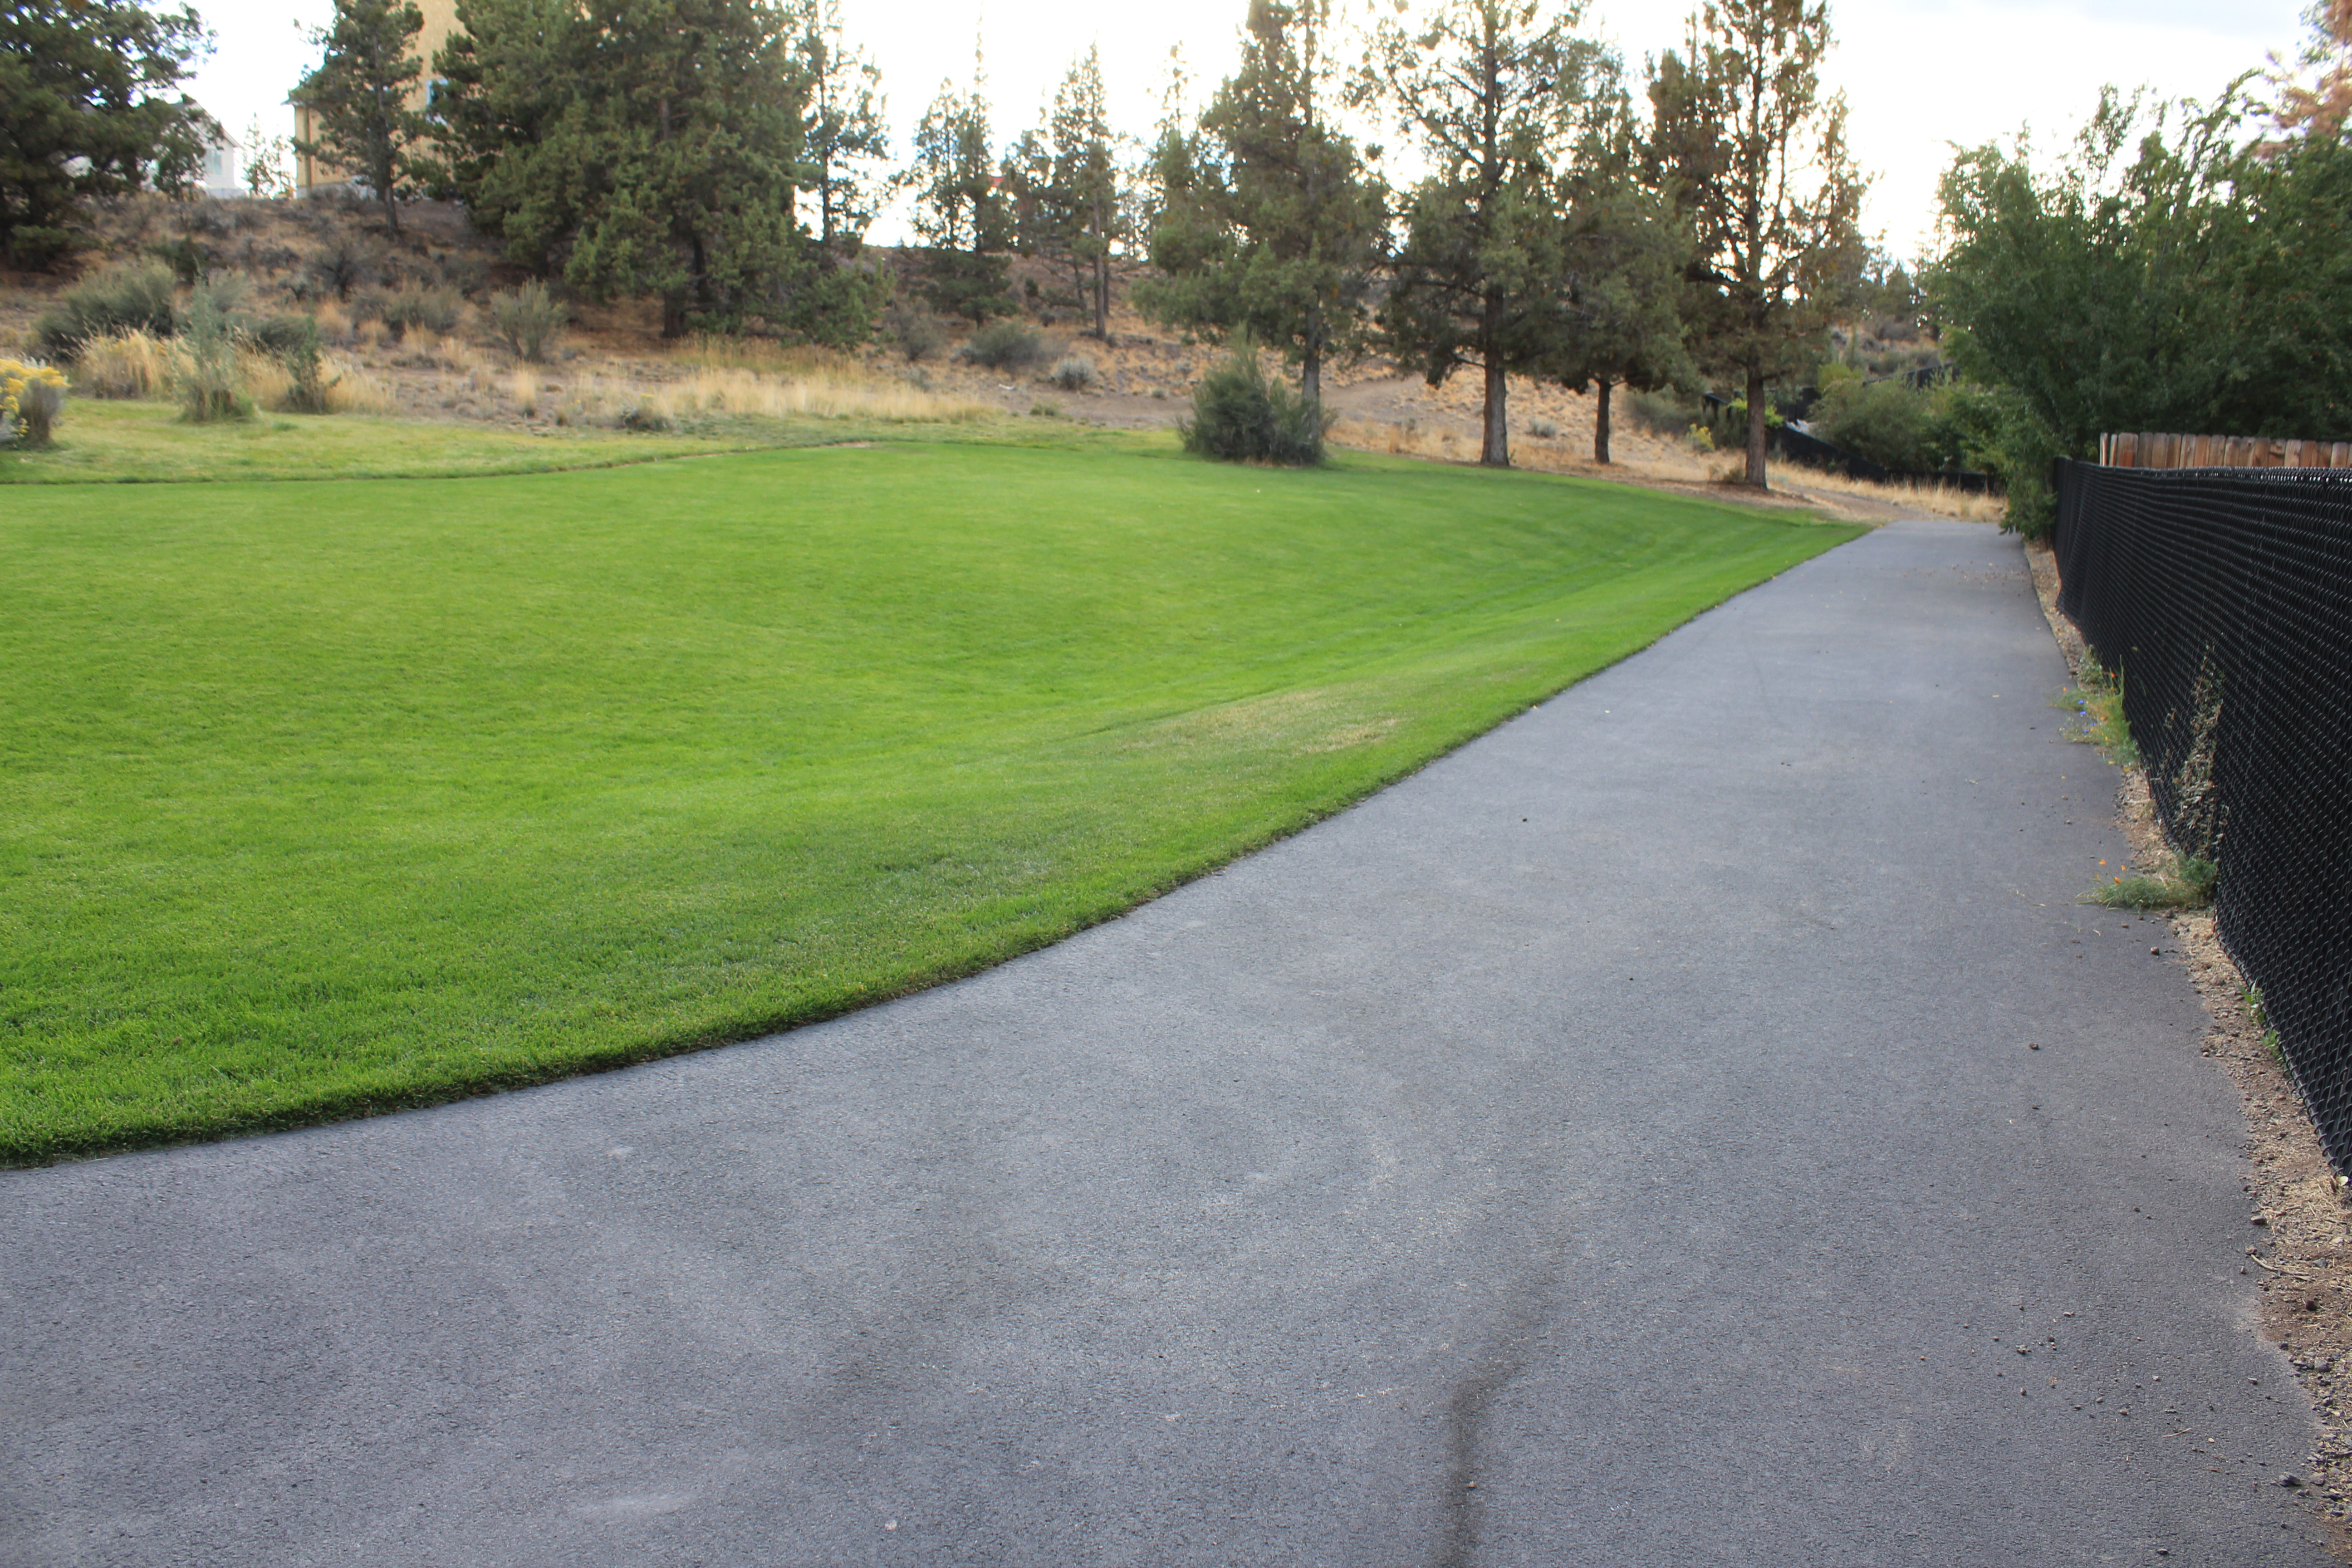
(1920, 75)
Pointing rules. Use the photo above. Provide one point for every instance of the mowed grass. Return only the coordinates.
(326, 799)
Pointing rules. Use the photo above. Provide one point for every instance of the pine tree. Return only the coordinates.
(959, 212)
(1622, 257)
(88, 108)
(1758, 159)
(1494, 92)
(641, 146)
(845, 145)
(1270, 223)
(1084, 185)
(360, 98)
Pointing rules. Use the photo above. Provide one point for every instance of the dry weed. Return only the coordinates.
(132, 363)
(465, 359)
(262, 378)
(351, 390)
(1943, 501)
(523, 385)
(747, 392)
(798, 361)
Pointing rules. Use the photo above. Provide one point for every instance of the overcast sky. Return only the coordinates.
(1920, 75)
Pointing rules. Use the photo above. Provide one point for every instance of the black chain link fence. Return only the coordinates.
(2222, 597)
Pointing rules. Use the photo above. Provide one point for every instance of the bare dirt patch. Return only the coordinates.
(2299, 1230)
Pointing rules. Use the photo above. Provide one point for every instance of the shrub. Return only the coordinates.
(915, 329)
(1238, 415)
(1004, 345)
(309, 383)
(126, 299)
(32, 397)
(1661, 413)
(643, 418)
(209, 386)
(130, 362)
(1543, 429)
(278, 335)
(528, 320)
(412, 307)
(188, 260)
(1074, 373)
(1889, 423)
(342, 264)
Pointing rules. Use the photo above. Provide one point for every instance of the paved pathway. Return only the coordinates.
(1616, 1145)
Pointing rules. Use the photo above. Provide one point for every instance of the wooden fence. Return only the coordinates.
(2148, 450)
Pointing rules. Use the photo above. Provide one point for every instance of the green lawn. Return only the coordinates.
(322, 799)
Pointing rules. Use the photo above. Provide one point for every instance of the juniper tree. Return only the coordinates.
(638, 146)
(1495, 91)
(87, 108)
(844, 142)
(1757, 157)
(1623, 255)
(959, 214)
(1084, 188)
(360, 98)
(1271, 224)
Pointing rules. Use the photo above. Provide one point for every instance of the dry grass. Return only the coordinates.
(1671, 464)
(523, 385)
(140, 365)
(133, 363)
(351, 390)
(465, 359)
(1942, 500)
(790, 361)
(1674, 463)
(709, 392)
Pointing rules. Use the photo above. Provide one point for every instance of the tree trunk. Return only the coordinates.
(674, 313)
(1310, 376)
(1600, 426)
(382, 174)
(1756, 426)
(1495, 443)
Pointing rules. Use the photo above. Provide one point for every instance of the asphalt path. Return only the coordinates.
(1618, 1144)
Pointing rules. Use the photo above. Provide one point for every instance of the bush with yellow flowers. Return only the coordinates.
(32, 396)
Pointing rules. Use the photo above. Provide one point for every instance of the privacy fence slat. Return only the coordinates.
(2159, 449)
(2222, 598)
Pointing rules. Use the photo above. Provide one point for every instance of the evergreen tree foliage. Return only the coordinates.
(959, 215)
(1758, 159)
(1082, 202)
(845, 145)
(359, 98)
(88, 108)
(648, 147)
(1269, 223)
(1623, 255)
(1495, 91)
